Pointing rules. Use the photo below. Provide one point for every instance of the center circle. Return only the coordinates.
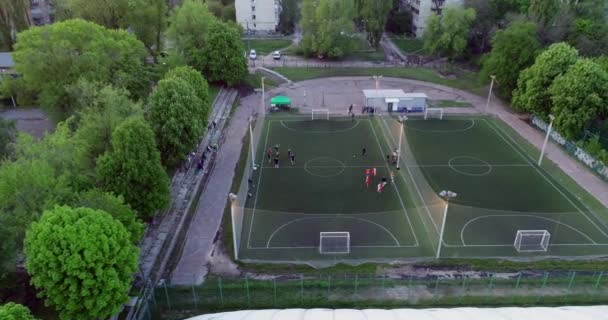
(470, 166)
(324, 167)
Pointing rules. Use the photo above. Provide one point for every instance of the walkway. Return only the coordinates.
(201, 235)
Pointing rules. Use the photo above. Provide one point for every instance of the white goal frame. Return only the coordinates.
(324, 111)
(426, 112)
(334, 235)
(543, 246)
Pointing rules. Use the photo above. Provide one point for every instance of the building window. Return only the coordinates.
(253, 16)
(252, 8)
(254, 25)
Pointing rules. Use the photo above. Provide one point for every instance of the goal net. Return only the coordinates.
(433, 113)
(532, 240)
(334, 242)
(320, 114)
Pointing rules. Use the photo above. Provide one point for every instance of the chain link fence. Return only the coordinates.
(372, 291)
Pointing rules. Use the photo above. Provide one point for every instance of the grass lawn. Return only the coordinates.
(213, 92)
(266, 46)
(255, 81)
(466, 81)
(450, 104)
(408, 45)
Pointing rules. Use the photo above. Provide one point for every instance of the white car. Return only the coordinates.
(276, 55)
(252, 54)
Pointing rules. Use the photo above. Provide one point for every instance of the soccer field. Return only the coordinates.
(500, 191)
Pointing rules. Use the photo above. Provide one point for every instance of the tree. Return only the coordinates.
(82, 261)
(374, 14)
(132, 168)
(196, 81)
(27, 187)
(176, 117)
(188, 29)
(531, 93)
(544, 11)
(8, 133)
(148, 20)
(288, 16)
(399, 22)
(101, 111)
(447, 35)
(116, 207)
(14, 17)
(223, 59)
(327, 27)
(108, 13)
(56, 55)
(14, 311)
(513, 50)
(589, 31)
(579, 96)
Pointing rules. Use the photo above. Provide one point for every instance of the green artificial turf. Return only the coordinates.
(500, 191)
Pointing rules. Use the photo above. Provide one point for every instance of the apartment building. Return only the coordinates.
(41, 12)
(258, 15)
(422, 10)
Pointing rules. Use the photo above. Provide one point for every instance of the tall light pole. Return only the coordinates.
(446, 195)
(542, 151)
(263, 97)
(251, 143)
(402, 118)
(377, 79)
(490, 94)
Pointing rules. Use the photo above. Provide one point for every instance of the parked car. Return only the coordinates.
(252, 54)
(276, 55)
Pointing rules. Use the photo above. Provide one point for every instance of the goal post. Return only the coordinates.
(436, 113)
(532, 240)
(320, 114)
(334, 242)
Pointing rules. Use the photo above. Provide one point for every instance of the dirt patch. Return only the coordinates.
(221, 263)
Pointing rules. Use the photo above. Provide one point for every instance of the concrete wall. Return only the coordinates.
(422, 10)
(258, 15)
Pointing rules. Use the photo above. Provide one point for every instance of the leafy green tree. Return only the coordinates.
(108, 13)
(288, 16)
(544, 11)
(148, 20)
(65, 154)
(223, 55)
(14, 17)
(56, 55)
(399, 22)
(132, 168)
(196, 81)
(374, 14)
(8, 133)
(513, 50)
(116, 207)
(14, 311)
(579, 97)
(189, 26)
(589, 31)
(176, 116)
(531, 94)
(447, 35)
(82, 261)
(327, 27)
(101, 111)
(27, 187)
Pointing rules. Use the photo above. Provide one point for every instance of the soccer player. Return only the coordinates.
(380, 186)
(374, 172)
(293, 158)
(368, 172)
(363, 151)
(368, 180)
(276, 148)
(392, 176)
(289, 153)
(269, 154)
(276, 161)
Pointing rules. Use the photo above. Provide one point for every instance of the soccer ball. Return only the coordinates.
(354, 155)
